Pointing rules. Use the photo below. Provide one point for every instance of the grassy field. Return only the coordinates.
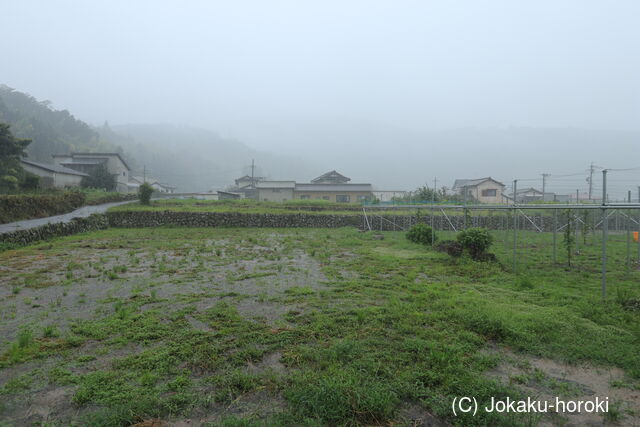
(244, 327)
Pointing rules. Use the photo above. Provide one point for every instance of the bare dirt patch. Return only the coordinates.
(545, 379)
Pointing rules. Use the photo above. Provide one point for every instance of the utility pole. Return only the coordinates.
(144, 173)
(253, 183)
(591, 169)
(544, 184)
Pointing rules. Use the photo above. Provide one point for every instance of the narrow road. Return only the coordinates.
(82, 212)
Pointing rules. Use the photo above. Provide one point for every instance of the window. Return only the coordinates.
(304, 197)
(363, 198)
(490, 193)
(342, 198)
(326, 198)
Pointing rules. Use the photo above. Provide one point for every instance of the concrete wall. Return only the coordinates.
(275, 194)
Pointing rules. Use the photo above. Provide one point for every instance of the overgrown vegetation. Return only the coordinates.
(144, 193)
(26, 206)
(476, 241)
(12, 149)
(421, 233)
(291, 326)
(99, 178)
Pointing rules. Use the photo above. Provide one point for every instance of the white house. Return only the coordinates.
(483, 190)
(87, 162)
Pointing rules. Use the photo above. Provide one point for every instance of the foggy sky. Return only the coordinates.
(349, 85)
(421, 65)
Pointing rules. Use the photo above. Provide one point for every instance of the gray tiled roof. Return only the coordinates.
(53, 168)
(460, 183)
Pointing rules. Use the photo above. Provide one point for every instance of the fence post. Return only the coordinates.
(555, 234)
(628, 238)
(605, 229)
(515, 225)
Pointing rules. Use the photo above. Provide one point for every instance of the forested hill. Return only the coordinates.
(189, 158)
(51, 131)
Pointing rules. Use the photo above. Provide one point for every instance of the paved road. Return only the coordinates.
(82, 212)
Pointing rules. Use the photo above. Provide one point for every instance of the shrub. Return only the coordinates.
(421, 233)
(476, 241)
(451, 247)
(144, 193)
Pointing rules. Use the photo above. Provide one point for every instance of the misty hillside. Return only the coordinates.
(189, 158)
(51, 131)
(196, 159)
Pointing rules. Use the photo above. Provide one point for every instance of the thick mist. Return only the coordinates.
(391, 92)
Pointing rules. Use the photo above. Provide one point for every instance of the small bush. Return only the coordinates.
(144, 193)
(421, 233)
(451, 247)
(476, 241)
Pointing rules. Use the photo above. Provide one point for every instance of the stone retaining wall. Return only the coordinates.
(47, 231)
(139, 219)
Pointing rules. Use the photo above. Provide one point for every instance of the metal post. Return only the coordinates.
(555, 233)
(627, 219)
(605, 230)
(515, 223)
(433, 202)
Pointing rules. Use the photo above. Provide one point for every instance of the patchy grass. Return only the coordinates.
(299, 326)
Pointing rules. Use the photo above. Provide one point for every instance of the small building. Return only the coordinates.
(53, 176)
(483, 190)
(337, 193)
(227, 195)
(136, 181)
(275, 191)
(87, 162)
(528, 195)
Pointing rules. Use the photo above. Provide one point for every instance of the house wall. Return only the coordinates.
(117, 168)
(275, 194)
(53, 179)
(476, 192)
(331, 195)
(62, 180)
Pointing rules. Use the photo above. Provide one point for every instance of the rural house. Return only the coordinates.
(136, 181)
(87, 162)
(332, 186)
(53, 176)
(483, 190)
(275, 191)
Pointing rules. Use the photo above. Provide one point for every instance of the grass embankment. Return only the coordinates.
(293, 327)
(245, 206)
(18, 207)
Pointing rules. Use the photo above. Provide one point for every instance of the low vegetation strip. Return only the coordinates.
(28, 206)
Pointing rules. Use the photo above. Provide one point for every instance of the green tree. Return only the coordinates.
(144, 193)
(11, 150)
(99, 178)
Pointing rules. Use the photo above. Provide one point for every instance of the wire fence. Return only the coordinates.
(586, 238)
